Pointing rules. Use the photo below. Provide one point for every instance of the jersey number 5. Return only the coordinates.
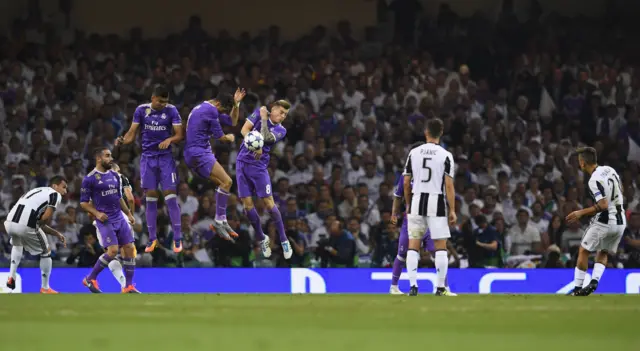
(424, 165)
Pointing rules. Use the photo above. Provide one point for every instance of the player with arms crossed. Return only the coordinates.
(252, 175)
(101, 196)
(430, 167)
(202, 124)
(403, 241)
(115, 266)
(608, 224)
(26, 225)
(157, 166)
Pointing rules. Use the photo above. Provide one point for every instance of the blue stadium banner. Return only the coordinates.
(326, 281)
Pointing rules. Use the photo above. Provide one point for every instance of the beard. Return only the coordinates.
(106, 165)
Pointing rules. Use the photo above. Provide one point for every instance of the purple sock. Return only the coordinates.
(151, 211)
(254, 218)
(102, 263)
(277, 220)
(129, 269)
(221, 205)
(174, 215)
(397, 270)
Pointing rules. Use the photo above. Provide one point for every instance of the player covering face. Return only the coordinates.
(252, 176)
(101, 196)
(203, 123)
(156, 121)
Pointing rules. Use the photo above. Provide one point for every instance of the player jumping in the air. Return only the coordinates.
(115, 266)
(428, 179)
(403, 241)
(252, 176)
(101, 196)
(26, 225)
(157, 166)
(202, 124)
(608, 224)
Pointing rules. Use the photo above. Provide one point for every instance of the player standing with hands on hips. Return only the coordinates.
(430, 167)
(252, 175)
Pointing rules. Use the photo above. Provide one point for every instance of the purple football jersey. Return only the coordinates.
(156, 126)
(202, 124)
(399, 190)
(277, 130)
(105, 190)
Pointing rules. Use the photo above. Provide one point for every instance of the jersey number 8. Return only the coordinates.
(424, 165)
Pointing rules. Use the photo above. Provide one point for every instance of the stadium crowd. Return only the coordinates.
(516, 99)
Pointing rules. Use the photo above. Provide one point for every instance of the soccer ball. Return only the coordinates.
(253, 141)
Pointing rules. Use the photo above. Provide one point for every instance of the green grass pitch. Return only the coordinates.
(318, 322)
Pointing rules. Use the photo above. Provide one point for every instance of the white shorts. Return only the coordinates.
(438, 227)
(603, 237)
(33, 240)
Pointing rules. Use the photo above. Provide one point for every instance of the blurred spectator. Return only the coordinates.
(487, 245)
(339, 249)
(524, 237)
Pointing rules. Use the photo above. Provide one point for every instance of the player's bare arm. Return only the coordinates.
(235, 111)
(228, 138)
(407, 189)
(50, 231)
(130, 198)
(178, 136)
(246, 128)
(89, 208)
(600, 206)
(395, 209)
(125, 209)
(268, 137)
(451, 199)
(129, 136)
(47, 215)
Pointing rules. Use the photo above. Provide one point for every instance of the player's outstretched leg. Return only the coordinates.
(16, 257)
(116, 269)
(287, 250)
(91, 281)
(151, 213)
(220, 226)
(582, 263)
(45, 271)
(399, 262)
(254, 218)
(429, 246)
(598, 271)
(176, 220)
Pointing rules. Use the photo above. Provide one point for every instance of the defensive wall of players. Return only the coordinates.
(322, 281)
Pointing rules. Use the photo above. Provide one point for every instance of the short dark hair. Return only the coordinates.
(435, 127)
(57, 180)
(589, 155)
(97, 152)
(282, 103)
(226, 101)
(160, 91)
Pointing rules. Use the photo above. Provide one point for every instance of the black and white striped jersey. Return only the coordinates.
(30, 207)
(428, 164)
(605, 183)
